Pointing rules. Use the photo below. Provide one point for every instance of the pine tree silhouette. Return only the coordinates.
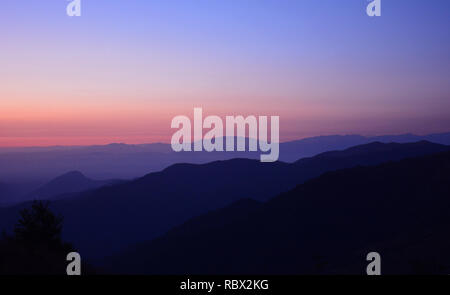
(39, 225)
(36, 246)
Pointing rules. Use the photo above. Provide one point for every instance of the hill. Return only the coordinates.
(326, 225)
(69, 183)
(104, 220)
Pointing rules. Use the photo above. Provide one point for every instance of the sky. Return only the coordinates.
(122, 70)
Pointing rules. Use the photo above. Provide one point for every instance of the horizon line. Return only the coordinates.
(168, 143)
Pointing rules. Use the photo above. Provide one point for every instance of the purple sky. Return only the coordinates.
(124, 69)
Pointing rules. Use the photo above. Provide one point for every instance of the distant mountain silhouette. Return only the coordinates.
(308, 147)
(326, 225)
(441, 138)
(67, 184)
(102, 221)
(123, 161)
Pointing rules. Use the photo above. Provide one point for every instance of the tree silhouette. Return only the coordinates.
(39, 225)
(36, 246)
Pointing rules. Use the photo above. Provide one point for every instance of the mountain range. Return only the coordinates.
(102, 221)
(25, 170)
(326, 225)
(123, 161)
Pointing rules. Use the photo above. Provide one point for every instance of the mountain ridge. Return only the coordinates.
(67, 184)
(123, 161)
(325, 226)
(153, 204)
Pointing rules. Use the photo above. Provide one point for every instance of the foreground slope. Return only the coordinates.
(326, 225)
